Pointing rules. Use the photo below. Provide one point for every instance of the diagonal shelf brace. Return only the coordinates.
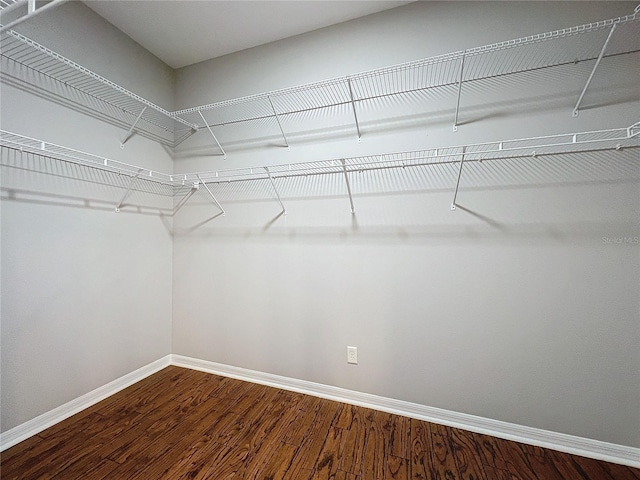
(211, 132)
(126, 194)
(212, 195)
(275, 114)
(353, 107)
(455, 195)
(593, 71)
(184, 200)
(455, 120)
(346, 179)
(273, 184)
(32, 11)
(130, 132)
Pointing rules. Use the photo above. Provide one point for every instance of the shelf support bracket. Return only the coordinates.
(273, 184)
(346, 179)
(353, 107)
(214, 137)
(593, 71)
(212, 196)
(455, 194)
(130, 132)
(184, 200)
(275, 114)
(126, 194)
(455, 121)
(32, 11)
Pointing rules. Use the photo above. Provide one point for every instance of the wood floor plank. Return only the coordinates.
(444, 462)
(353, 454)
(261, 454)
(397, 468)
(279, 463)
(326, 464)
(490, 452)
(342, 475)
(311, 446)
(421, 462)
(497, 474)
(374, 459)
(467, 455)
(184, 424)
(300, 428)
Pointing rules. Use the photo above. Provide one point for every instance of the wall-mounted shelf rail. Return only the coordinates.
(583, 143)
(42, 148)
(27, 62)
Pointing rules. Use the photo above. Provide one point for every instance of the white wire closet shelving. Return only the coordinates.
(27, 62)
(184, 185)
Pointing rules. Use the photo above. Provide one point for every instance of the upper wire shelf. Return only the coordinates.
(25, 61)
(561, 47)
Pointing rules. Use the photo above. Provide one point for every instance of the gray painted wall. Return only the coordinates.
(519, 306)
(86, 292)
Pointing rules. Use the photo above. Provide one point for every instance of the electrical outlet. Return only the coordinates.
(352, 355)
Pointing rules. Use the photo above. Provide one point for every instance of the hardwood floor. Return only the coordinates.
(185, 424)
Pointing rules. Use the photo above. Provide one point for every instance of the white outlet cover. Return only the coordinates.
(352, 355)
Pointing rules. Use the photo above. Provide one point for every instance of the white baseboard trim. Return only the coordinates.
(46, 420)
(586, 447)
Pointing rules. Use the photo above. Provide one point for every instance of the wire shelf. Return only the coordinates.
(548, 159)
(44, 149)
(26, 61)
(7, 3)
(558, 48)
(508, 149)
(31, 65)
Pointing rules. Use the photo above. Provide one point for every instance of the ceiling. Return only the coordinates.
(183, 32)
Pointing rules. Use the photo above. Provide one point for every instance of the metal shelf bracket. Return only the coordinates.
(593, 71)
(130, 132)
(214, 137)
(210, 194)
(455, 194)
(126, 194)
(353, 107)
(32, 11)
(275, 114)
(455, 121)
(346, 179)
(185, 199)
(284, 210)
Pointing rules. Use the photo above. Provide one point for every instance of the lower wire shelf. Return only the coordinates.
(453, 157)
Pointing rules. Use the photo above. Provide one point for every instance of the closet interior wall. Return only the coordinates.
(513, 307)
(521, 305)
(86, 293)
